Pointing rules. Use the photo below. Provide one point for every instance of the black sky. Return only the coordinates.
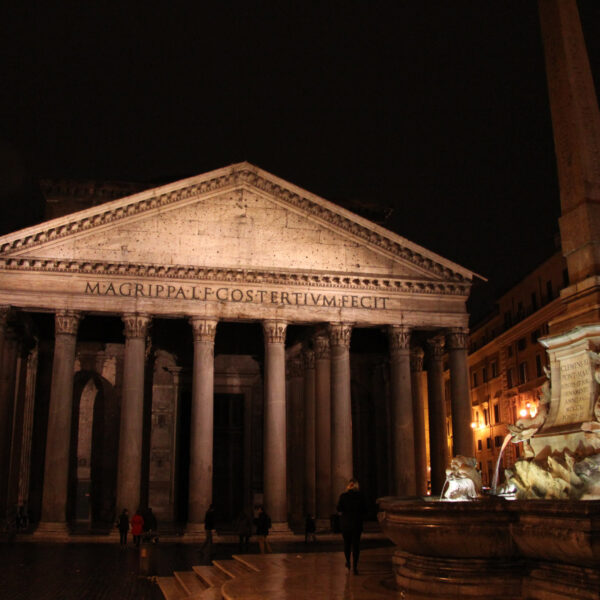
(438, 110)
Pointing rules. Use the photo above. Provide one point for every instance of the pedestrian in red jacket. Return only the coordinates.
(137, 527)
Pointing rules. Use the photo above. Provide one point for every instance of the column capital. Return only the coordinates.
(321, 346)
(294, 367)
(309, 358)
(340, 334)
(66, 322)
(436, 346)
(416, 359)
(204, 329)
(136, 325)
(457, 338)
(399, 338)
(274, 331)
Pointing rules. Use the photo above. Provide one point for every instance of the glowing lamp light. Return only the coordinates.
(473, 425)
(523, 412)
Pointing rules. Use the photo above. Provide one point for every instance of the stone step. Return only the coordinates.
(170, 588)
(211, 576)
(233, 568)
(190, 582)
(213, 593)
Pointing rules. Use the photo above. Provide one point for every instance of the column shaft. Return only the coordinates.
(129, 467)
(323, 428)
(275, 468)
(56, 467)
(418, 397)
(403, 443)
(341, 409)
(309, 433)
(438, 435)
(202, 423)
(461, 400)
(296, 456)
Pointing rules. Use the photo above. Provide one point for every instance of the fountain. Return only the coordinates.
(536, 536)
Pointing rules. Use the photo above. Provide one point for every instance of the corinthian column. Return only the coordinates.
(462, 433)
(275, 468)
(341, 409)
(309, 432)
(323, 429)
(202, 423)
(129, 468)
(403, 441)
(56, 467)
(438, 435)
(418, 398)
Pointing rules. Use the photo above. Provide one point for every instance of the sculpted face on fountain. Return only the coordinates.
(463, 479)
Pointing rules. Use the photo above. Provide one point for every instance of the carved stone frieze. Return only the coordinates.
(243, 175)
(136, 325)
(321, 346)
(399, 337)
(274, 331)
(340, 334)
(204, 329)
(66, 322)
(249, 276)
(416, 359)
(457, 339)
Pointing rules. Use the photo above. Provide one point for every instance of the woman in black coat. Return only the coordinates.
(352, 507)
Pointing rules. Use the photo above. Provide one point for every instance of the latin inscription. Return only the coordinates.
(229, 294)
(576, 389)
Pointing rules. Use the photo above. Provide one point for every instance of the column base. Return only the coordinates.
(280, 529)
(58, 531)
(195, 532)
(323, 524)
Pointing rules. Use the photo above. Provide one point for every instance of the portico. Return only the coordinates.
(234, 246)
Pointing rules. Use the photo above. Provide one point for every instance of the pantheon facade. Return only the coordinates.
(231, 339)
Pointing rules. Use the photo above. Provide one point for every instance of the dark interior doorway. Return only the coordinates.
(228, 463)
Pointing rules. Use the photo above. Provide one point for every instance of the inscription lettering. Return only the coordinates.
(226, 294)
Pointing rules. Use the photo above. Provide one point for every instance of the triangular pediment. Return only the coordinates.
(239, 217)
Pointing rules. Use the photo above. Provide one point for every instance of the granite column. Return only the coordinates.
(402, 426)
(462, 433)
(323, 429)
(201, 423)
(129, 465)
(438, 434)
(309, 433)
(341, 409)
(418, 400)
(56, 466)
(275, 468)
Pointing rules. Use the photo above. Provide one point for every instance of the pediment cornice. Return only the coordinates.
(373, 283)
(241, 175)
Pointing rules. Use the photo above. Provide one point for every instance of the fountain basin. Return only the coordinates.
(493, 548)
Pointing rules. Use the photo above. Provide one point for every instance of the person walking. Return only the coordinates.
(209, 526)
(243, 526)
(123, 526)
(352, 508)
(137, 527)
(309, 529)
(263, 524)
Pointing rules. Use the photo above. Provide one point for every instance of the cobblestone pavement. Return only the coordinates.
(75, 571)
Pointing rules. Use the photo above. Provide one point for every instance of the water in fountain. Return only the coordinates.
(496, 471)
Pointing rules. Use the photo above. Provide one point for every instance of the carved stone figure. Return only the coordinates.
(463, 479)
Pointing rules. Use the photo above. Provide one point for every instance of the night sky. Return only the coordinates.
(437, 110)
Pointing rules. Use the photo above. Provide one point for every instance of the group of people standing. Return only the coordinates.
(142, 524)
(351, 507)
